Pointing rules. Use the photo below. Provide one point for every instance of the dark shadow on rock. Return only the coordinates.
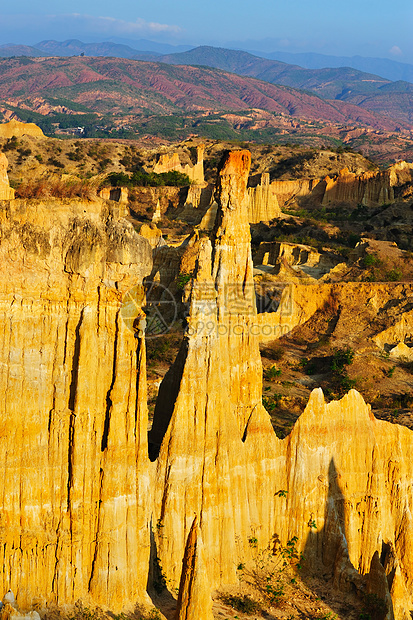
(165, 402)
(157, 587)
(326, 554)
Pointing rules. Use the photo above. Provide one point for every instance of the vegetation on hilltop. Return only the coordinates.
(140, 178)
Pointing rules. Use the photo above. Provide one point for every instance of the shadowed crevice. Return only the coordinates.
(106, 425)
(165, 403)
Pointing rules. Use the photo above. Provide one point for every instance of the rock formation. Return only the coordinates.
(208, 220)
(202, 465)
(356, 490)
(263, 204)
(18, 129)
(356, 487)
(6, 192)
(8, 612)
(401, 352)
(157, 215)
(153, 234)
(197, 202)
(171, 162)
(194, 597)
(147, 199)
(72, 411)
(286, 191)
(369, 188)
(73, 394)
(299, 302)
(118, 194)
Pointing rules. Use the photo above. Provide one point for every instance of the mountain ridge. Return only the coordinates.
(390, 69)
(344, 83)
(136, 87)
(366, 90)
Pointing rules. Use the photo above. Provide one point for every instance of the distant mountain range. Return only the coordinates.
(119, 86)
(74, 47)
(328, 83)
(146, 49)
(369, 91)
(390, 69)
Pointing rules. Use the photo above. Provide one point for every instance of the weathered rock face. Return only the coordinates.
(73, 394)
(118, 194)
(151, 199)
(369, 188)
(171, 162)
(303, 259)
(197, 202)
(72, 410)
(153, 234)
(203, 467)
(156, 217)
(18, 129)
(194, 597)
(220, 459)
(263, 204)
(6, 192)
(297, 188)
(299, 302)
(357, 492)
(402, 352)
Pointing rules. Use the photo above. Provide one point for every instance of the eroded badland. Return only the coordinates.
(206, 388)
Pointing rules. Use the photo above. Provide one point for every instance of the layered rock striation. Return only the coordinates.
(263, 204)
(369, 189)
(203, 467)
(346, 497)
(73, 454)
(73, 407)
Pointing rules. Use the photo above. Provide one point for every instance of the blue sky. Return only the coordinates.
(365, 27)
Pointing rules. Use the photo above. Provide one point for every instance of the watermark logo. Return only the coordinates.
(149, 310)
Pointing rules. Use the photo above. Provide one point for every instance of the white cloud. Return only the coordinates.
(120, 26)
(76, 24)
(395, 51)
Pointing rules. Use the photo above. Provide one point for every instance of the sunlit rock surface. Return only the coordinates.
(74, 509)
(79, 494)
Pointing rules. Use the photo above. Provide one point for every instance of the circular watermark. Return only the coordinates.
(149, 310)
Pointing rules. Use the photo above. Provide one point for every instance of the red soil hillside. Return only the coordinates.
(135, 87)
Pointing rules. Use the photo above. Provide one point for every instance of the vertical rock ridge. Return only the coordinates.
(194, 597)
(203, 457)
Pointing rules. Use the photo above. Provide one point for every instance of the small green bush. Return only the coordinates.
(394, 275)
(11, 144)
(271, 402)
(341, 358)
(182, 280)
(271, 570)
(271, 373)
(370, 260)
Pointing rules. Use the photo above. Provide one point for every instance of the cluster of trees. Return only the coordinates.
(140, 178)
